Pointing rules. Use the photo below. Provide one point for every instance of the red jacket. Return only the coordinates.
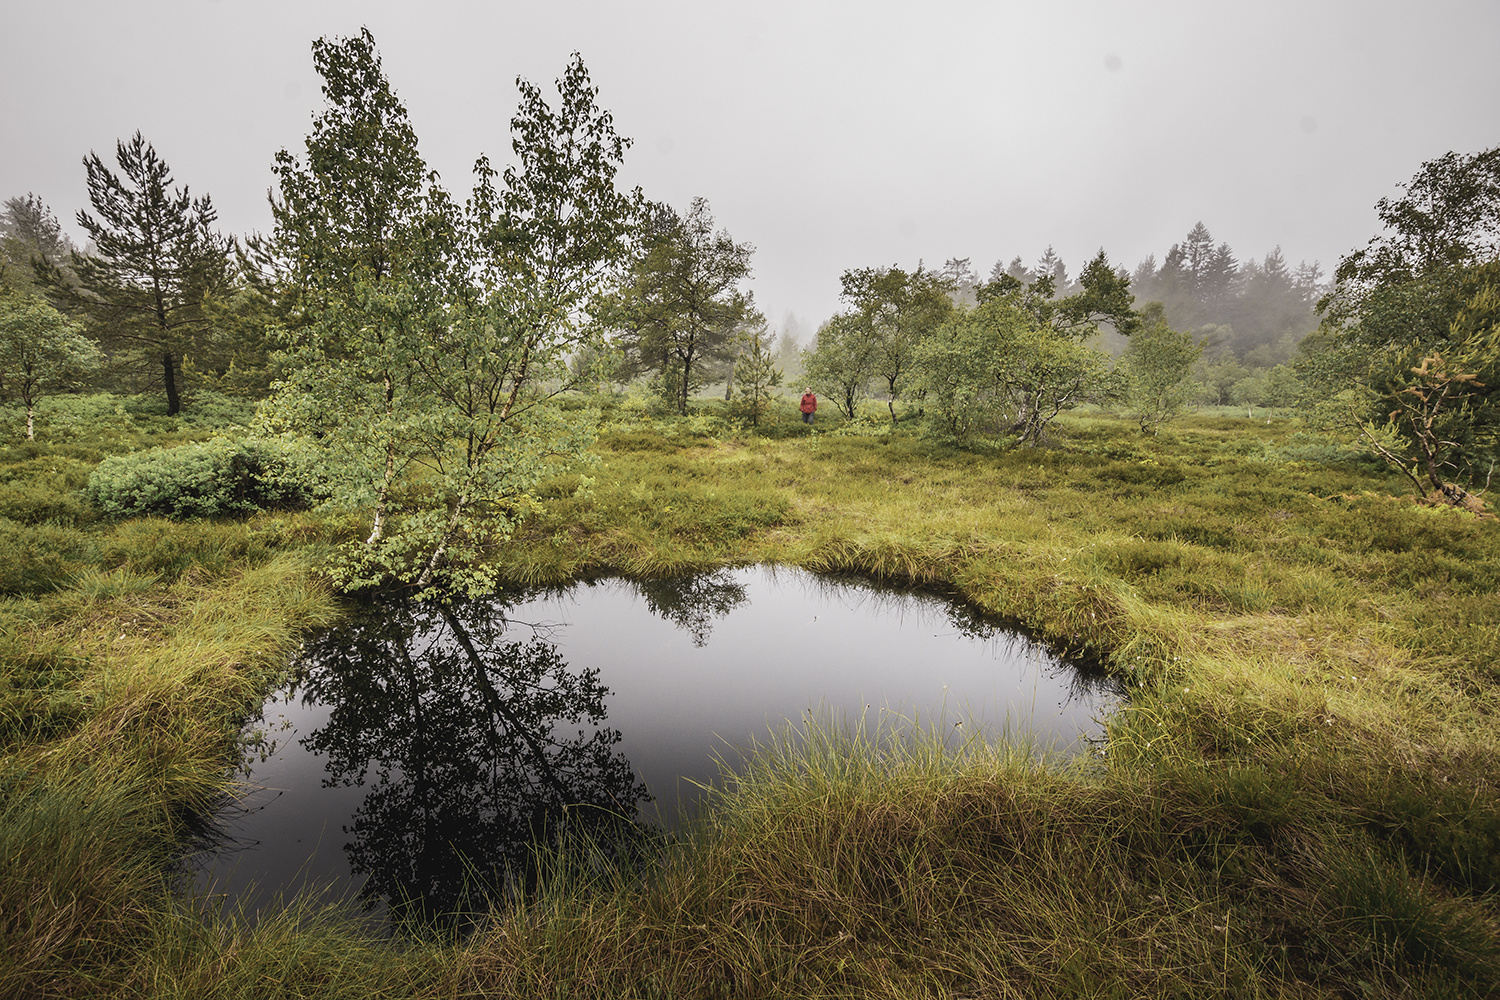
(809, 403)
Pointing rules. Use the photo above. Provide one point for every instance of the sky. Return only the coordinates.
(829, 135)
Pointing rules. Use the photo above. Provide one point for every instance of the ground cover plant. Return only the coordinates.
(1299, 799)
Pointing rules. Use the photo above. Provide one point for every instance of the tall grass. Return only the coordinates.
(128, 653)
(840, 865)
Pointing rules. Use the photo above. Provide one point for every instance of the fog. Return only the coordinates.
(829, 135)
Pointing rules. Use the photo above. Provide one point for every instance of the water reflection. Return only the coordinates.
(474, 746)
(692, 603)
(426, 749)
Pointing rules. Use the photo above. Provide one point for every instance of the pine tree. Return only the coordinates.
(683, 308)
(1198, 256)
(157, 260)
(755, 374)
(30, 231)
(1051, 266)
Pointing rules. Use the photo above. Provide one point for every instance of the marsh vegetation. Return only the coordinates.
(1298, 799)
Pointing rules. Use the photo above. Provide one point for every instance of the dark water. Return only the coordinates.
(423, 750)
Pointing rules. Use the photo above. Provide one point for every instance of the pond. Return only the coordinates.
(421, 747)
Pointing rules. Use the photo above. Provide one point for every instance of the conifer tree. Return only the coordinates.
(157, 261)
(683, 308)
(755, 373)
(29, 231)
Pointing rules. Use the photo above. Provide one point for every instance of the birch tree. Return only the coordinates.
(425, 340)
(41, 351)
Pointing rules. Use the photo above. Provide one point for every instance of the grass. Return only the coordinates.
(1300, 800)
(836, 869)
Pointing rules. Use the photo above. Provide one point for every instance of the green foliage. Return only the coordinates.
(996, 366)
(83, 855)
(1297, 798)
(40, 352)
(1279, 387)
(428, 342)
(755, 376)
(841, 362)
(1402, 920)
(235, 360)
(157, 260)
(683, 310)
(964, 369)
(37, 558)
(1440, 428)
(39, 696)
(891, 312)
(559, 234)
(361, 205)
(29, 230)
(220, 477)
(45, 488)
(1408, 331)
(1242, 308)
(1447, 828)
(1320, 448)
(1157, 365)
(1218, 376)
(1104, 298)
(1447, 220)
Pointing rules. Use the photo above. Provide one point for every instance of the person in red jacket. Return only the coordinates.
(809, 405)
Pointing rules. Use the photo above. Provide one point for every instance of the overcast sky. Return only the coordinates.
(828, 135)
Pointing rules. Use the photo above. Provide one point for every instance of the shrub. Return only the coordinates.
(223, 476)
(205, 410)
(37, 503)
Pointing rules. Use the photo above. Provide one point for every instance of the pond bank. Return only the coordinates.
(635, 697)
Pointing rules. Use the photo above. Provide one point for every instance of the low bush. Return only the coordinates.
(223, 476)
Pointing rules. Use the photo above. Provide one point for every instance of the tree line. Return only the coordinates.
(401, 336)
(1002, 357)
(398, 335)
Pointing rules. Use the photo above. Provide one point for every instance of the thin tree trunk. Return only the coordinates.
(682, 395)
(169, 377)
(378, 528)
(442, 545)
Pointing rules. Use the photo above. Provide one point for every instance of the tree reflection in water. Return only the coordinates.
(693, 602)
(476, 748)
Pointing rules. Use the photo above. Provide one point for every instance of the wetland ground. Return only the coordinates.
(1300, 800)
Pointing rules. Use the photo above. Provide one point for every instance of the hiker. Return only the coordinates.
(809, 405)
